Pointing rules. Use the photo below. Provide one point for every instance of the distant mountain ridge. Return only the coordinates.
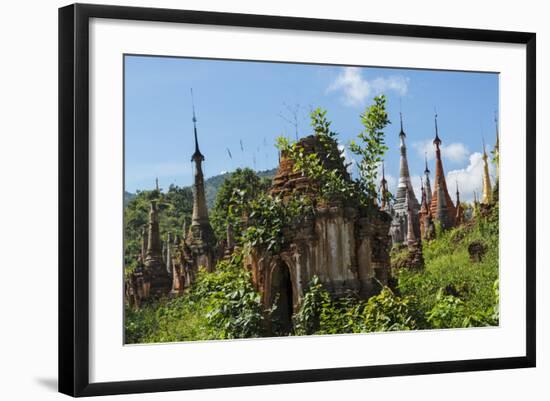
(211, 186)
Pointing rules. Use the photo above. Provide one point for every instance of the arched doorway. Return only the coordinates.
(281, 298)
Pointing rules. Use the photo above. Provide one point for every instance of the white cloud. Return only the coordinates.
(356, 89)
(469, 178)
(454, 152)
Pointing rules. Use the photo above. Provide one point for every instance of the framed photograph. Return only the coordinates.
(251, 199)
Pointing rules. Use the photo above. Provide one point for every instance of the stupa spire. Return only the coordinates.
(487, 192)
(405, 196)
(497, 150)
(169, 253)
(424, 211)
(411, 237)
(496, 132)
(437, 141)
(427, 180)
(200, 211)
(459, 218)
(442, 208)
(383, 190)
(153, 260)
(197, 155)
(201, 238)
(144, 243)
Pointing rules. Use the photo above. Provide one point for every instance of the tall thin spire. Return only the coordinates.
(437, 141)
(405, 195)
(459, 217)
(487, 192)
(197, 155)
(169, 265)
(383, 189)
(201, 238)
(144, 242)
(424, 210)
(497, 150)
(402, 134)
(160, 281)
(411, 237)
(496, 131)
(427, 181)
(200, 211)
(426, 170)
(441, 207)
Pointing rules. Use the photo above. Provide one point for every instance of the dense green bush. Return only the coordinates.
(232, 306)
(322, 314)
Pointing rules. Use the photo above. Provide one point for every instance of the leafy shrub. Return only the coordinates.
(387, 312)
(322, 314)
(233, 307)
(316, 300)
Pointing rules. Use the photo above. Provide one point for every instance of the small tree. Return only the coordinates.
(372, 147)
(241, 187)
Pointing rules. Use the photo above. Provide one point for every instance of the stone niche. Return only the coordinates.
(345, 247)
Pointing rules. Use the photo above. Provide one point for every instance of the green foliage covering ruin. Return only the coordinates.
(220, 305)
(452, 291)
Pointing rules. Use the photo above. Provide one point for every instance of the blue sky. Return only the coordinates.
(255, 102)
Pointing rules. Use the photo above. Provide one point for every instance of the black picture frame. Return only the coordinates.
(74, 200)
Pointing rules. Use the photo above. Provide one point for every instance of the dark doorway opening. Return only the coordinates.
(281, 298)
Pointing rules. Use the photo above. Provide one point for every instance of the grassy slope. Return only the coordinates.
(448, 269)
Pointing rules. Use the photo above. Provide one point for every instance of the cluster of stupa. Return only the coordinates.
(168, 267)
(412, 221)
(341, 244)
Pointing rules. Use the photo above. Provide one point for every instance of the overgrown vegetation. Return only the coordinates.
(220, 305)
(451, 291)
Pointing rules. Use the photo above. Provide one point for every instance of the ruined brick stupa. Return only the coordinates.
(343, 245)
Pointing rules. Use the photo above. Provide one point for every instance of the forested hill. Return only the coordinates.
(211, 186)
